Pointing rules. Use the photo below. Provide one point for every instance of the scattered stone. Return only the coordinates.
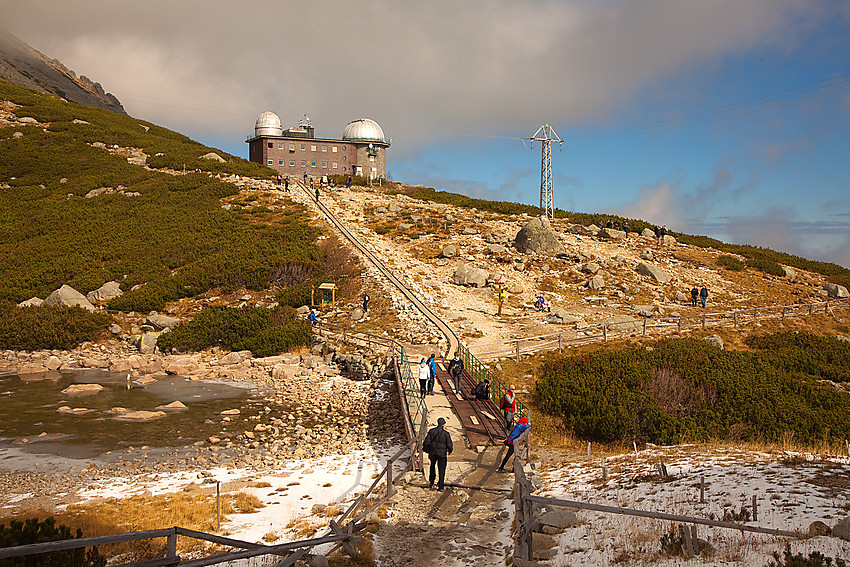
(790, 273)
(656, 273)
(647, 254)
(539, 237)
(818, 528)
(835, 290)
(842, 529)
(559, 519)
(109, 290)
(141, 415)
(66, 296)
(175, 405)
(715, 340)
(466, 275)
(82, 389)
(448, 251)
(213, 156)
(596, 282)
(32, 302)
(161, 322)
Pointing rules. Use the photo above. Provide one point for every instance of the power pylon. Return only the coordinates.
(547, 135)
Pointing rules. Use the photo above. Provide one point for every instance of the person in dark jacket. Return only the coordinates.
(438, 445)
(703, 295)
(518, 435)
(694, 296)
(456, 372)
(481, 391)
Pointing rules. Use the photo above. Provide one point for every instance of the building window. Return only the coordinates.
(292, 163)
(313, 164)
(291, 147)
(271, 145)
(324, 148)
(303, 163)
(303, 146)
(280, 146)
(343, 147)
(324, 165)
(280, 162)
(334, 165)
(271, 162)
(371, 158)
(344, 158)
(312, 147)
(333, 149)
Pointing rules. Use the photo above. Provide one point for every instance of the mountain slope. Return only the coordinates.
(22, 65)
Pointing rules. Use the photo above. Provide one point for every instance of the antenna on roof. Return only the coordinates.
(547, 135)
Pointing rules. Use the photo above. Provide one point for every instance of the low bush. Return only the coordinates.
(265, 332)
(34, 531)
(686, 389)
(48, 327)
(731, 263)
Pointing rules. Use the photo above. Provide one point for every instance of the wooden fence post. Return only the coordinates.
(517, 351)
(755, 509)
(218, 504)
(783, 312)
(679, 322)
(605, 331)
(755, 313)
(171, 547)
(644, 327)
(702, 489)
(560, 343)
(735, 318)
(703, 320)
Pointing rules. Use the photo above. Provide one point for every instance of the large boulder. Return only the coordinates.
(66, 296)
(715, 340)
(213, 156)
(789, 273)
(667, 239)
(656, 273)
(835, 290)
(109, 290)
(590, 268)
(448, 251)
(538, 236)
(162, 321)
(32, 302)
(596, 282)
(611, 233)
(82, 389)
(559, 519)
(842, 529)
(648, 233)
(466, 275)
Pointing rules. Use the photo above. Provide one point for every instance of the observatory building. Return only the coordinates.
(296, 150)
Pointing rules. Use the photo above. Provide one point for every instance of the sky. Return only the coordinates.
(727, 118)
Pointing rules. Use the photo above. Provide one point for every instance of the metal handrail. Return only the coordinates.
(477, 371)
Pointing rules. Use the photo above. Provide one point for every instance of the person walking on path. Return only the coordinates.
(317, 194)
(365, 302)
(424, 373)
(626, 228)
(456, 372)
(312, 317)
(286, 184)
(508, 407)
(348, 182)
(432, 374)
(703, 295)
(279, 178)
(694, 296)
(518, 436)
(438, 445)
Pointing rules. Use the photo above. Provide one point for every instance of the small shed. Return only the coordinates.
(328, 293)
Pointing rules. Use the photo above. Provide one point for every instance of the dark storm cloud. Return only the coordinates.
(421, 69)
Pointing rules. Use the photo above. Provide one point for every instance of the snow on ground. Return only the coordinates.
(292, 492)
(792, 491)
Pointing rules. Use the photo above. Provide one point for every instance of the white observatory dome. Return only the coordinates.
(363, 130)
(268, 124)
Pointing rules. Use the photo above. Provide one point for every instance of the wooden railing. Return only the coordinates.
(607, 331)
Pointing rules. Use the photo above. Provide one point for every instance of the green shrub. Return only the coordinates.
(48, 327)
(264, 332)
(731, 263)
(34, 531)
(688, 389)
(814, 559)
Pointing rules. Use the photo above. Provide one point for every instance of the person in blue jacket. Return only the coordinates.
(518, 435)
(432, 378)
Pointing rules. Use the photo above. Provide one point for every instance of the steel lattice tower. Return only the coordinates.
(547, 135)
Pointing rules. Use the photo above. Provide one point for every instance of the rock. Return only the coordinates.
(842, 529)
(141, 415)
(181, 366)
(789, 273)
(488, 238)
(31, 368)
(118, 409)
(230, 358)
(559, 519)
(120, 365)
(818, 528)
(590, 268)
(469, 231)
(541, 542)
(303, 310)
(667, 239)
(115, 329)
(596, 282)
(393, 208)
(146, 343)
(647, 254)
(82, 389)
(515, 289)
(682, 297)
(357, 314)
(161, 322)
(175, 405)
(842, 338)
(318, 561)
(539, 237)
(623, 323)
(656, 273)
(284, 371)
(27, 120)
(32, 302)
(213, 440)
(648, 233)
(66, 296)
(611, 233)
(213, 156)
(405, 226)
(231, 412)
(53, 363)
(466, 275)
(107, 291)
(448, 251)
(835, 290)
(644, 310)
(145, 380)
(495, 249)
(715, 340)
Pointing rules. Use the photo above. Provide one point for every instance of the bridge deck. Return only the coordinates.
(481, 420)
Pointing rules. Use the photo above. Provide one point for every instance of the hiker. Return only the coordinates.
(365, 302)
(317, 194)
(503, 296)
(324, 182)
(617, 224)
(547, 305)
(424, 374)
(626, 227)
(286, 184)
(663, 234)
(279, 178)
(539, 302)
(518, 435)
(432, 374)
(703, 295)
(481, 391)
(508, 406)
(694, 296)
(609, 224)
(348, 182)
(312, 317)
(438, 445)
(657, 230)
(456, 372)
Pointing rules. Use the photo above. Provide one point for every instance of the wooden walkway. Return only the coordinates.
(481, 420)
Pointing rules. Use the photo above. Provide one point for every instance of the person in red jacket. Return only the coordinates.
(508, 407)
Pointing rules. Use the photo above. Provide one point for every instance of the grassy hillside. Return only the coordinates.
(762, 259)
(174, 237)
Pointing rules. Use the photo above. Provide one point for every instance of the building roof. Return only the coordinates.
(364, 130)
